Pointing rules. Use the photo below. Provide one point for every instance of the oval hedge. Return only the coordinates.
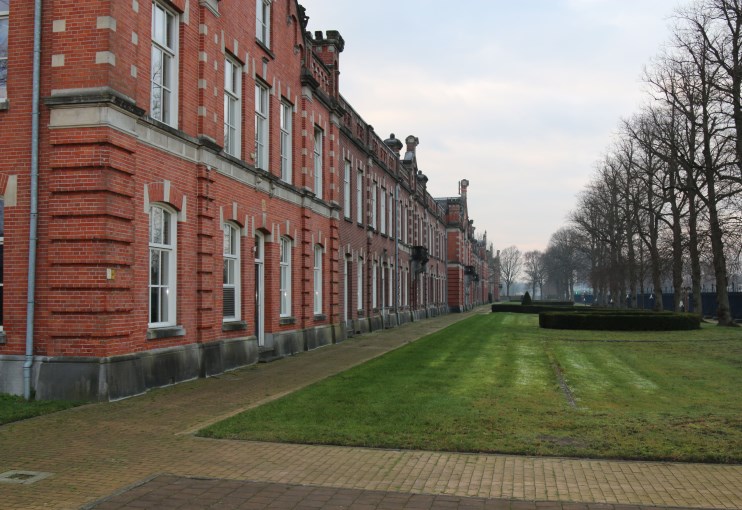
(623, 320)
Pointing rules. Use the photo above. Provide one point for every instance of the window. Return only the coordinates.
(359, 196)
(391, 214)
(382, 220)
(359, 284)
(404, 224)
(285, 276)
(405, 276)
(261, 126)
(263, 21)
(390, 283)
(162, 265)
(374, 300)
(231, 288)
(318, 162)
(346, 190)
(286, 142)
(232, 106)
(373, 205)
(164, 76)
(3, 49)
(2, 253)
(317, 279)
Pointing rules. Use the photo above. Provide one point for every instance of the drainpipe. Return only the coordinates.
(396, 252)
(30, 308)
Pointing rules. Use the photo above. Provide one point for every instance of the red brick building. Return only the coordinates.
(205, 198)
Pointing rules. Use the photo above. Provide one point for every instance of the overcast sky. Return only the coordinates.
(520, 97)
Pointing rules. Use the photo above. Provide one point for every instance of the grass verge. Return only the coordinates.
(14, 408)
(497, 383)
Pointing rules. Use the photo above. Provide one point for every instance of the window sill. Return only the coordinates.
(265, 48)
(166, 332)
(234, 326)
(348, 219)
(4, 104)
(283, 321)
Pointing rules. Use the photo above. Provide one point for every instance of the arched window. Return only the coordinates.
(232, 266)
(162, 266)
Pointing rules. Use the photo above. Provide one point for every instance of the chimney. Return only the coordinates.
(412, 143)
(393, 144)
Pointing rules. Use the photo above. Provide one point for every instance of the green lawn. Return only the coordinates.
(497, 383)
(13, 408)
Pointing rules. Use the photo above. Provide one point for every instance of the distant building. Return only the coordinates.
(206, 198)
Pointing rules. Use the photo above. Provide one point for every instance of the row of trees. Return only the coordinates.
(667, 197)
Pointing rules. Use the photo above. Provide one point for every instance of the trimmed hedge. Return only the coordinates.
(525, 308)
(553, 303)
(621, 320)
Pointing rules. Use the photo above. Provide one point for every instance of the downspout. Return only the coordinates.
(32, 234)
(396, 252)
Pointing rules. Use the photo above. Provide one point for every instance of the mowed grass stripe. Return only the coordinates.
(489, 385)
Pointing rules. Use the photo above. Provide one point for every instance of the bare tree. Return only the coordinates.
(534, 269)
(511, 263)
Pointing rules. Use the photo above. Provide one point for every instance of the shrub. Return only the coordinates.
(526, 299)
(525, 308)
(621, 320)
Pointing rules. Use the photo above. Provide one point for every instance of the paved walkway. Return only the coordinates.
(93, 453)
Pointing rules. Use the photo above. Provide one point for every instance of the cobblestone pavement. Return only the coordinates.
(95, 451)
(172, 492)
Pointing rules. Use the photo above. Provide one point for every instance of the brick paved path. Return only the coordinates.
(96, 450)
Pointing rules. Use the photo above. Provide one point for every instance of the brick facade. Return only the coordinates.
(110, 159)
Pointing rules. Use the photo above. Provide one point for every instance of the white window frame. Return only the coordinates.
(4, 50)
(261, 126)
(382, 219)
(232, 268)
(164, 44)
(359, 197)
(373, 205)
(286, 141)
(263, 22)
(232, 107)
(164, 244)
(318, 153)
(285, 277)
(346, 190)
(318, 250)
(359, 283)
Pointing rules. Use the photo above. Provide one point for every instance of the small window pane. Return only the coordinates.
(4, 5)
(165, 227)
(158, 24)
(228, 296)
(154, 267)
(154, 304)
(165, 267)
(3, 36)
(170, 29)
(164, 308)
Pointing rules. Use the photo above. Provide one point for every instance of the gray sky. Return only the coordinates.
(521, 97)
